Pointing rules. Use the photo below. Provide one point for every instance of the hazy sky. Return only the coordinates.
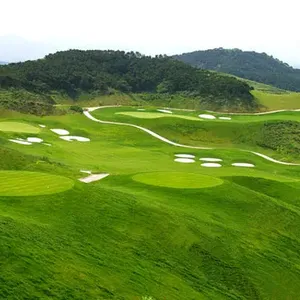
(32, 28)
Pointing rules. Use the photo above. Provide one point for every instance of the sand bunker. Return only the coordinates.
(246, 165)
(185, 155)
(211, 165)
(141, 109)
(86, 171)
(71, 138)
(34, 140)
(20, 142)
(224, 118)
(46, 144)
(209, 117)
(94, 177)
(184, 160)
(60, 131)
(41, 125)
(210, 159)
(165, 111)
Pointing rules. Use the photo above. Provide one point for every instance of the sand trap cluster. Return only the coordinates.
(166, 111)
(60, 131)
(207, 162)
(93, 177)
(208, 117)
(28, 141)
(71, 138)
(245, 165)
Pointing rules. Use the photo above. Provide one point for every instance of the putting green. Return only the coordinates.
(155, 115)
(178, 180)
(23, 183)
(18, 127)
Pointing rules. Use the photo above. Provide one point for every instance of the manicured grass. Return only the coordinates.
(178, 180)
(154, 115)
(120, 238)
(18, 127)
(21, 183)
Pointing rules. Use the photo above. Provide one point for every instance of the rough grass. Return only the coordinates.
(179, 180)
(21, 183)
(122, 239)
(18, 127)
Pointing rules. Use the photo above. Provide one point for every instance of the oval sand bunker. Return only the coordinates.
(60, 131)
(225, 118)
(185, 155)
(209, 117)
(245, 165)
(184, 160)
(166, 111)
(21, 142)
(211, 165)
(23, 183)
(177, 180)
(71, 138)
(34, 140)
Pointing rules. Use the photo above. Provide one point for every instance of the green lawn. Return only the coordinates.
(20, 183)
(18, 127)
(154, 227)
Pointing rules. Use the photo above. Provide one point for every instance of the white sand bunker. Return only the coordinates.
(141, 109)
(224, 118)
(92, 178)
(41, 125)
(34, 140)
(86, 171)
(165, 111)
(71, 138)
(211, 165)
(60, 131)
(19, 141)
(245, 165)
(185, 155)
(210, 159)
(205, 116)
(46, 144)
(184, 160)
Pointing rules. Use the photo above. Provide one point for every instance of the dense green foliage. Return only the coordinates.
(122, 239)
(246, 64)
(102, 72)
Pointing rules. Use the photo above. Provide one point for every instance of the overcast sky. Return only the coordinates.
(32, 28)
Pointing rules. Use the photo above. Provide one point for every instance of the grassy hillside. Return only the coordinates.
(258, 67)
(154, 227)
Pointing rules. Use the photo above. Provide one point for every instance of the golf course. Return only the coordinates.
(145, 202)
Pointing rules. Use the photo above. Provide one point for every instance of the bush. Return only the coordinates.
(76, 108)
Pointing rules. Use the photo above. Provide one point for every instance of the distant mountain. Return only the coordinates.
(3, 63)
(251, 65)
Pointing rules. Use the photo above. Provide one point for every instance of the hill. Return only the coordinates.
(251, 65)
(75, 73)
(3, 63)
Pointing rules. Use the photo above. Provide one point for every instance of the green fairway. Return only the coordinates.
(154, 115)
(20, 183)
(18, 127)
(177, 180)
(154, 227)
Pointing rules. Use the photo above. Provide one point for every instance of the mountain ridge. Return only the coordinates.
(251, 65)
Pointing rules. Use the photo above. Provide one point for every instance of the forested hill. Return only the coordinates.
(74, 72)
(250, 65)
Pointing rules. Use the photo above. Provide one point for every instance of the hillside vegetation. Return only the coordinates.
(255, 66)
(75, 73)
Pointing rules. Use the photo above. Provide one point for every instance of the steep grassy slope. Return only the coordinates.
(122, 239)
(258, 67)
